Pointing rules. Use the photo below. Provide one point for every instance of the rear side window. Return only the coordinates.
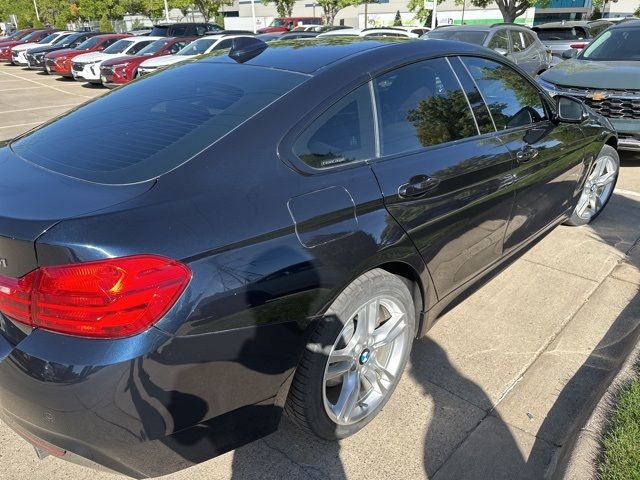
(517, 41)
(139, 46)
(512, 100)
(421, 105)
(154, 125)
(499, 41)
(343, 134)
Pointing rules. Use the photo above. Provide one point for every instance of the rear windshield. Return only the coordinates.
(567, 33)
(154, 47)
(149, 127)
(159, 31)
(89, 43)
(119, 47)
(197, 47)
(466, 36)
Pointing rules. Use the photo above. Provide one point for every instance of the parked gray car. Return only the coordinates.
(518, 44)
(563, 36)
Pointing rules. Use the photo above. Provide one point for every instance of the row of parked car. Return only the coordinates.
(612, 89)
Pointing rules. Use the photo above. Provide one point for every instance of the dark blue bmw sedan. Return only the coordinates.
(266, 230)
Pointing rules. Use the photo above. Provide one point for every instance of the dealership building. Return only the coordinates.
(382, 13)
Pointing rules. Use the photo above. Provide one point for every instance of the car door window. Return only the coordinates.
(499, 41)
(517, 41)
(512, 100)
(342, 134)
(421, 105)
(528, 39)
(176, 47)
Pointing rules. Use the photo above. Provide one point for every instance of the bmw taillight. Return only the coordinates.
(110, 298)
(579, 45)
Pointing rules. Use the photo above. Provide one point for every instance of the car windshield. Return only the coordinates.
(467, 36)
(615, 44)
(197, 47)
(277, 22)
(154, 47)
(119, 47)
(159, 31)
(69, 39)
(13, 35)
(151, 127)
(60, 39)
(89, 43)
(49, 38)
(562, 33)
(29, 36)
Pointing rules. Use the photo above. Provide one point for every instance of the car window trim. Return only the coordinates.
(546, 102)
(484, 100)
(285, 147)
(473, 114)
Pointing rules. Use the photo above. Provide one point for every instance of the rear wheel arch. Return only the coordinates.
(411, 277)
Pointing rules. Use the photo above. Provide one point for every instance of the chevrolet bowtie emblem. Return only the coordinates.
(597, 96)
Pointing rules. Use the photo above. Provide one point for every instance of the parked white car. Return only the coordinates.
(344, 32)
(19, 52)
(389, 32)
(86, 67)
(197, 47)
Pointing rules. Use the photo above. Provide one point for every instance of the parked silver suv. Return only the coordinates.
(563, 36)
(519, 44)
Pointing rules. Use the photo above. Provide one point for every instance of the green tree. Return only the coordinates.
(105, 24)
(397, 22)
(210, 8)
(330, 8)
(637, 12)
(36, 23)
(283, 7)
(422, 14)
(511, 9)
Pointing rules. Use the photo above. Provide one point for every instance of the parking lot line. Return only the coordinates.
(20, 125)
(19, 88)
(629, 193)
(45, 85)
(48, 107)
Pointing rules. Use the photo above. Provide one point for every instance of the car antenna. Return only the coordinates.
(246, 48)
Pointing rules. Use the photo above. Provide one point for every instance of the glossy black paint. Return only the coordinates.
(271, 242)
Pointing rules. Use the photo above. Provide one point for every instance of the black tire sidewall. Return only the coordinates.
(343, 309)
(575, 220)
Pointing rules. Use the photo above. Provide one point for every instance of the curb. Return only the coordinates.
(580, 457)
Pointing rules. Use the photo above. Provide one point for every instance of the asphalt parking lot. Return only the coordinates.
(495, 390)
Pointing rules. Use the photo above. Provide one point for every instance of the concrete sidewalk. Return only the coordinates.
(493, 392)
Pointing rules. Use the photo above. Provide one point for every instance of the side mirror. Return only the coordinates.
(570, 110)
(571, 53)
(501, 51)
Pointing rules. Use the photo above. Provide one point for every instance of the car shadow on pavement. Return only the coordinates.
(490, 447)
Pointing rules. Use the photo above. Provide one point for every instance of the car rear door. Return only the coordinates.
(445, 177)
(549, 155)
(524, 53)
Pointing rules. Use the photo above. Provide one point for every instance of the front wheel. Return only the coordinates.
(598, 187)
(355, 358)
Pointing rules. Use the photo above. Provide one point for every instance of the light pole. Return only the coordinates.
(253, 15)
(36, 9)
(434, 14)
(166, 10)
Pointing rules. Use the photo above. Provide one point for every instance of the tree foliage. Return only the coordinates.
(511, 9)
(283, 7)
(397, 21)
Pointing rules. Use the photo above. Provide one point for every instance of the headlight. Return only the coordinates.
(551, 88)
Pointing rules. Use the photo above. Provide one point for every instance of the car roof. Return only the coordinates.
(571, 23)
(313, 54)
(631, 23)
(481, 28)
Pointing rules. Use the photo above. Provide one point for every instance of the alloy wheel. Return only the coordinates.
(598, 187)
(365, 361)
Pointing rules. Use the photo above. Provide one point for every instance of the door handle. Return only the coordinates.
(526, 153)
(417, 186)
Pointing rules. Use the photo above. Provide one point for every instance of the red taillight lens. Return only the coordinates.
(578, 46)
(109, 298)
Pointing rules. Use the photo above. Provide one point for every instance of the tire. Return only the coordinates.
(312, 391)
(598, 193)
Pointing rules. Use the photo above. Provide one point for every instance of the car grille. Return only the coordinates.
(77, 67)
(50, 62)
(106, 71)
(14, 54)
(616, 103)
